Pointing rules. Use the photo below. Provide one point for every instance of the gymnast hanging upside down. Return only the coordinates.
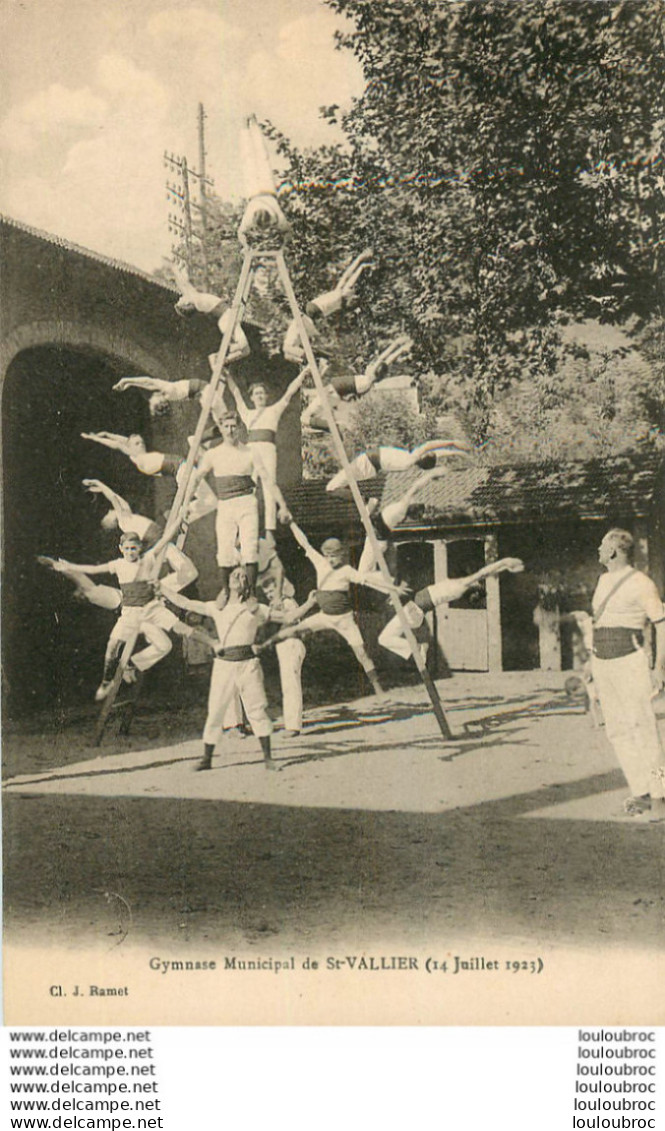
(350, 386)
(440, 593)
(162, 395)
(323, 306)
(121, 517)
(426, 456)
(203, 500)
(385, 519)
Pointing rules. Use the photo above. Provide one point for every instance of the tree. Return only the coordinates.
(505, 162)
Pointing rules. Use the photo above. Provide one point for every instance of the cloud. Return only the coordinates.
(56, 108)
(123, 80)
(302, 73)
(194, 26)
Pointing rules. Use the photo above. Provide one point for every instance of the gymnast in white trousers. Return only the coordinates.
(236, 668)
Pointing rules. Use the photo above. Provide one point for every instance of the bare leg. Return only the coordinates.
(378, 369)
(102, 596)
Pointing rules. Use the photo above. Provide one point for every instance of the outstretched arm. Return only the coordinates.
(301, 538)
(185, 603)
(150, 384)
(96, 487)
(291, 389)
(374, 580)
(61, 565)
(243, 411)
(109, 440)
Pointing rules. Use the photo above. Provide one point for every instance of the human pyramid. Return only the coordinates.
(222, 473)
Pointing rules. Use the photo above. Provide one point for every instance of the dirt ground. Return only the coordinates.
(372, 828)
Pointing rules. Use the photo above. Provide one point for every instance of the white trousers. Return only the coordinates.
(290, 656)
(392, 636)
(344, 624)
(152, 621)
(237, 519)
(246, 678)
(624, 688)
(268, 454)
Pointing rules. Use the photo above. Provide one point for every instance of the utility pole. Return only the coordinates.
(202, 195)
(180, 195)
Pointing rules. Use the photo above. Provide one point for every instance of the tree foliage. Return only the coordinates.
(505, 163)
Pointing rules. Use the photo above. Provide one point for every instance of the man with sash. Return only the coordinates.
(262, 421)
(234, 467)
(625, 602)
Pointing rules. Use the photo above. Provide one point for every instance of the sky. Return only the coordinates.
(93, 91)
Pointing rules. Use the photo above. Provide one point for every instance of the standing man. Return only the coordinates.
(624, 603)
(236, 670)
(290, 657)
(234, 467)
(262, 422)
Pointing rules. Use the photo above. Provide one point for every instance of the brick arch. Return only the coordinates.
(78, 336)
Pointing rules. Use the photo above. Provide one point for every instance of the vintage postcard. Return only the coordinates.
(333, 512)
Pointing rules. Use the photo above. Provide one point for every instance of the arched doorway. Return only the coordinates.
(52, 645)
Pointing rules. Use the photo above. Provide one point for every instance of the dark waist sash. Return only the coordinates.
(345, 386)
(171, 465)
(335, 602)
(236, 652)
(232, 486)
(136, 593)
(612, 643)
(261, 436)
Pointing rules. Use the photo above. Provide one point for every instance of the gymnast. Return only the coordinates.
(163, 394)
(369, 464)
(262, 422)
(332, 599)
(441, 593)
(323, 306)
(351, 386)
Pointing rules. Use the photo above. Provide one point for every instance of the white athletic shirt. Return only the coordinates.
(634, 603)
(332, 580)
(235, 626)
(228, 459)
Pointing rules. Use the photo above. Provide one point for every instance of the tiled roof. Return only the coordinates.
(67, 245)
(600, 488)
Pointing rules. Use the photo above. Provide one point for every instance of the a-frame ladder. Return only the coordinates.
(250, 261)
(180, 501)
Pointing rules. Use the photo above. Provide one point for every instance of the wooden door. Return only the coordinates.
(463, 626)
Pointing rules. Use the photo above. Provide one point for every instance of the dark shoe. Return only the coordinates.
(204, 764)
(635, 806)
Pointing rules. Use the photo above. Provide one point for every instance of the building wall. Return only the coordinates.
(72, 325)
